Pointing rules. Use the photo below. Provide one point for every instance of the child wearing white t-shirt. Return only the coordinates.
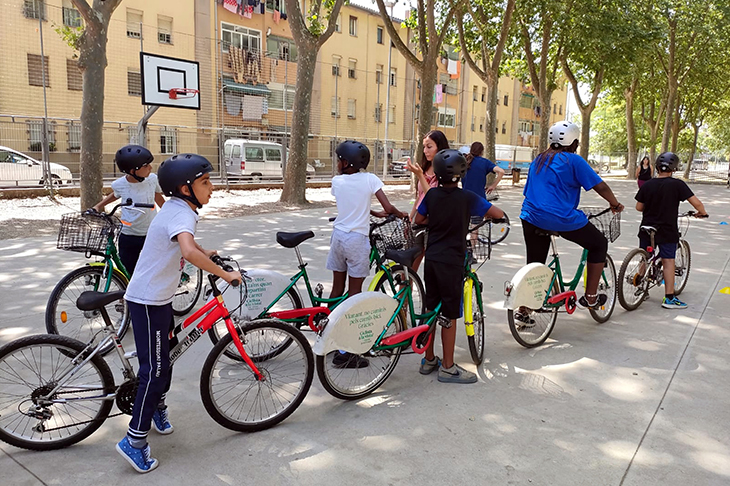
(170, 239)
(141, 186)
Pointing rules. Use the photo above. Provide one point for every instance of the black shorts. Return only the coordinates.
(589, 237)
(444, 283)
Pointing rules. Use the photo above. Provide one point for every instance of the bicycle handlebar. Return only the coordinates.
(221, 262)
(692, 214)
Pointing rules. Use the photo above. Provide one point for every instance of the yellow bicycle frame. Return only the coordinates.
(468, 311)
(117, 272)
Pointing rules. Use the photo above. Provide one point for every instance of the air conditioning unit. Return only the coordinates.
(335, 70)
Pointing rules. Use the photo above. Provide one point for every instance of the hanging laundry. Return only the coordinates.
(233, 103)
(253, 107)
(438, 96)
(458, 71)
(265, 106)
(230, 5)
(237, 60)
(451, 67)
(248, 12)
(283, 16)
(277, 16)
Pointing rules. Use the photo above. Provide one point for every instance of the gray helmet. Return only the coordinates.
(180, 170)
(356, 154)
(133, 157)
(667, 162)
(449, 165)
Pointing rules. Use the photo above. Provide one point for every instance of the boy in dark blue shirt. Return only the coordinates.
(446, 210)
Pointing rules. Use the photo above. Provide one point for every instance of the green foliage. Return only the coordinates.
(70, 35)
(317, 21)
(608, 125)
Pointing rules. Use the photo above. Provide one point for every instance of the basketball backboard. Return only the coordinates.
(161, 74)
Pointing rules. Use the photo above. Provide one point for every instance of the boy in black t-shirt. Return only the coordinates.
(658, 200)
(447, 210)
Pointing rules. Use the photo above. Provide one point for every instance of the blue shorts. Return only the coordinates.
(666, 250)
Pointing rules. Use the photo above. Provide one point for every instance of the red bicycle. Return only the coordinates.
(56, 391)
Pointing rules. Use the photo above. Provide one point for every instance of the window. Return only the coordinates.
(351, 109)
(481, 124)
(393, 77)
(338, 24)
(560, 110)
(164, 29)
(74, 137)
(526, 101)
(168, 141)
(134, 23)
(506, 100)
(240, 37)
(504, 128)
(391, 114)
(475, 94)
(276, 98)
(336, 65)
(71, 16)
(335, 107)
(484, 95)
(352, 69)
(37, 68)
(379, 74)
(447, 117)
(450, 86)
(35, 135)
(379, 35)
(273, 155)
(555, 108)
(473, 122)
(254, 154)
(281, 47)
(279, 5)
(235, 151)
(353, 25)
(73, 75)
(34, 9)
(496, 127)
(378, 112)
(134, 83)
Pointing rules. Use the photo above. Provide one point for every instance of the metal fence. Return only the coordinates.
(705, 168)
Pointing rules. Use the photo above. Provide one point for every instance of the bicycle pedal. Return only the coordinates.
(318, 290)
(443, 321)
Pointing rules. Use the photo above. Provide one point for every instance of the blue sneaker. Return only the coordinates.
(139, 458)
(161, 422)
(674, 303)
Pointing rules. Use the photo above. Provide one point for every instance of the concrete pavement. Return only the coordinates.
(639, 400)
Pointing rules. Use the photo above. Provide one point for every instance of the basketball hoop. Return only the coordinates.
(176, 93)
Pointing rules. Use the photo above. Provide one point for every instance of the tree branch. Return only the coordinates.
(530, 57)
(480, 21)
(85, 10)
(422, 32)
(574, 83)
(397, 41)
(503, 34)
(297, 23)
(465, 52)
(431, 21)
(445, 26)
(332, 24)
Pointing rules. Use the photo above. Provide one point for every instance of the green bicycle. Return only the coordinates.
(95, 234)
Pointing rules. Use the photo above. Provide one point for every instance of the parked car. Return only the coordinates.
(397, 168)
(600, 167)
(17, 168)
(255, 159)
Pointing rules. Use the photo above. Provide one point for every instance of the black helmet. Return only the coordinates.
(180, 170)
(449, 165)
(133, 157)
(667, 162)
(356, 154)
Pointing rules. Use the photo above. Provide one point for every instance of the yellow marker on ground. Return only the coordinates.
(726, 290)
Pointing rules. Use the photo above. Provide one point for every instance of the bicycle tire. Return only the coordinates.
(476, 342)
(84, 325)
(40, 357)
(219, 330)
(219, 371)
(609, 287)
(682, 265)
(417, 290)
(500, 230)
(631, 296)
(546, 325)
(188, 292)
(339, 382)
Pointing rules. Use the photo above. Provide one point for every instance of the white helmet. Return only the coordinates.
(563, 133)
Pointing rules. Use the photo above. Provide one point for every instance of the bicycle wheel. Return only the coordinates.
(472, 289)
(30, 368)
(65, 319)
(500, 230)
(353, 383)
(188, 292)
(399, 274)
(534, 334)
(606, 285)
(233, 396)
(632, 283)
(682, 263)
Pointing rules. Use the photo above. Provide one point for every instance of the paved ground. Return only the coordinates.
(639, 400)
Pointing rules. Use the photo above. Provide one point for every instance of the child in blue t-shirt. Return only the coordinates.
(185, 177)
(446, 210)
(140, 185)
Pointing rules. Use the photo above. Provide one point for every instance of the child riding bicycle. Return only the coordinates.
(658, 200)
(186, 178)
(446, 210)
(141, 186)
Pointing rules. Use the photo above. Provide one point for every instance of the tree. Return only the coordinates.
(309, 34)
(429, 37)
(92, 63)
(487, 36)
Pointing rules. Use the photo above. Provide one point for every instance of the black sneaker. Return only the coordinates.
(349, 360)
(524, 319)
(600, 301)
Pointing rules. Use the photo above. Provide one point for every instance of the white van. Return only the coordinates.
(255, 159)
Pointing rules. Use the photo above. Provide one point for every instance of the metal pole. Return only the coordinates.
(219, 93)
(387, 98)
(337, 115)
(285, 152)
(44, 136)
(377, 128)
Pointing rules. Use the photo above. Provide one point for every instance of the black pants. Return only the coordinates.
(588, 237)
(129, 249)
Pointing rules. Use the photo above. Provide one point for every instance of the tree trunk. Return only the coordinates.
(491, 116)
(585, 132)
(688, 167)
(675, 129)
(545, 100)
(429, 76)
(631, 129)
(295, 175)
(92, 63)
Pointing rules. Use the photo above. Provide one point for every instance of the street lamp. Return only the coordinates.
(390, 4)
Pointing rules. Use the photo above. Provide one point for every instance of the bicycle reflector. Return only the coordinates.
(650, 249)
(64, 317)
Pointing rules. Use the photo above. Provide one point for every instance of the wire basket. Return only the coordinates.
(87, 232)
(608, 223)
(479, 242)
(391, 235)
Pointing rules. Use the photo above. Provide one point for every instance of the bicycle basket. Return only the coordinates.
(392, 235)
(87, 233)
(607, 223)
(479, 242)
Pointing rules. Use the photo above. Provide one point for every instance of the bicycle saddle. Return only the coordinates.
(648, 229)
(542, 232)
(91, 300)
(290, 240)
(404, 257)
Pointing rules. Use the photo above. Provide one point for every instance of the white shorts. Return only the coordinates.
(349, 252)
